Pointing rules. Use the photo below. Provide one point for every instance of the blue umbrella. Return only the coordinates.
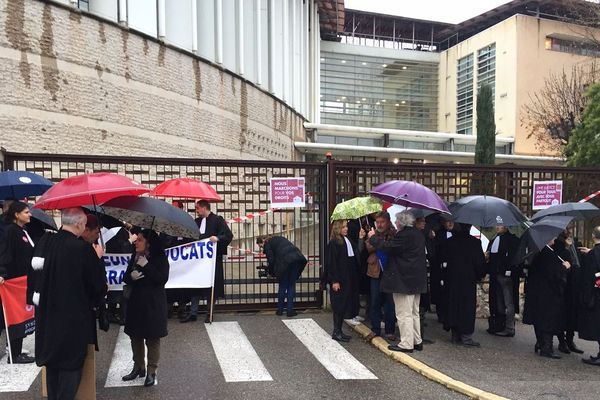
(20, 184)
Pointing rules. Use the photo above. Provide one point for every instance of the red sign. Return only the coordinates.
(18, 315)
(546, 194)
(287, 192)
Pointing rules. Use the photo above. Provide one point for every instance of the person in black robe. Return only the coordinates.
(566, 246)
(425, 302)
(286, 262)
(504, 282)
(438, 295)
(66, 289)
(16, 251)
(213, 227)
(544, 298)
(589, 295)
(341, 266)
(465, 266)
(146, 319)
(364, 288)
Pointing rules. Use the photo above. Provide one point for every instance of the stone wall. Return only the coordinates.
(75, 84)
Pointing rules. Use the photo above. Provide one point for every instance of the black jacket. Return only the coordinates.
(281, 253)
(406, 269)
(343, 269)
(15, 252)
(589, 296)
(216, 226)
(501, 262)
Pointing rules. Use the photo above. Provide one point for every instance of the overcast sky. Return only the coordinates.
(452, 11)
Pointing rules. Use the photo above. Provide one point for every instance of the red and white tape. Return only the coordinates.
(591, 196)
(251, 216)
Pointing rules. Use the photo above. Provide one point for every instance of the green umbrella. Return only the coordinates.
(356, 208)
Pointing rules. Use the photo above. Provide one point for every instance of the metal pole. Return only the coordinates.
(219, 31)
(162, 22)
(239, 11)
(194, 26)
(7, 335)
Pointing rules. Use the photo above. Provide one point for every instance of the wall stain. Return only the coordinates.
(99, 69)
(274, 115)
(243, 114)
(102, 32)
(75, 16)
(50, 71)
(146, 48)
(197, 78)
(221, 76)
(125, 42)
(161, 55)
(233, 85)
(18, 38)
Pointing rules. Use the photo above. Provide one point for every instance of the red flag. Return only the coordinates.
(18, 315)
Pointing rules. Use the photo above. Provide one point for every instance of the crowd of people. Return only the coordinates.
(412, 267)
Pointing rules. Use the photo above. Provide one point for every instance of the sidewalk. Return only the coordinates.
(508, 367)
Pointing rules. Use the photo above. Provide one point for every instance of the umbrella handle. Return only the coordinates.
(99, 222)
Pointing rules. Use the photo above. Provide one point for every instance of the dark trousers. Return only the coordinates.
(379, 299)
(139, 359)
(62, 384)
(16, 347)
(287, 288)
(338, 321)
(505, 300)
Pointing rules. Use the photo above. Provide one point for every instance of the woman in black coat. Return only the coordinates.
(146, 318)
(16, 251)
(341, 271)
(545, 298)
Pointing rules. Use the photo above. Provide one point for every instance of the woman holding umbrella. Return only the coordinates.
(146, 319)
(16, 251)
(341, 272)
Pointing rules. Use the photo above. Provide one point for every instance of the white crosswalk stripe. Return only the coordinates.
(121, 363)
(237, 358)
(18, 377)
(335, 358)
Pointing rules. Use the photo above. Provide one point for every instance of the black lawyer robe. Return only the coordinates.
(544, 293)
(499, 263)
(465, 267)
(569, 253)
(216, 226)
(147, 304)
(343, 269)
(69, 286)
(589, 310)
(436, 272)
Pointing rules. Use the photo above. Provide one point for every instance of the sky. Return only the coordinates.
(452, 11)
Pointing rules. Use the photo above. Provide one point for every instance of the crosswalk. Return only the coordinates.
(235, 354)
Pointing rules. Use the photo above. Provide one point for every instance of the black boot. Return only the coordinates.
(562, 344)
(571, 344)
(135, 372)
(547, 347)
(338, 320)
(150, 380)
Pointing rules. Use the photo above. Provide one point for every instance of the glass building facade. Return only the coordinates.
(367, 91)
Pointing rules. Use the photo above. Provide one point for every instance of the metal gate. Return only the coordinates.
(244, 187)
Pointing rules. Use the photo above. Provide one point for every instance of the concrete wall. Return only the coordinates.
(75, 84)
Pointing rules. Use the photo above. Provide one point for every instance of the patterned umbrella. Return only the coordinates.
(356, 208)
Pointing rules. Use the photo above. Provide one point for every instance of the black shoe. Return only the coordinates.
(419, 347)
(537, 348)
(291, 313)
(188, 318)
(395, 347)
(347, 337)
(338, 336)
(574, 349)
(470, 343)
(548, 354)
(134, 374)
(592, 361)
(428, 341)
(207, 319)
(505, 333)
(279, 312)
(150, 380)
(21, 359)
(563, 348)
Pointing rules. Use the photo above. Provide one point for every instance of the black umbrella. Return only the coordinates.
(41, 217)
(106, 221)
(540, 234)
(578, 210)
(147, 212)
(486, 212)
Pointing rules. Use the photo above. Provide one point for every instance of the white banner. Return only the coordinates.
(192, 265)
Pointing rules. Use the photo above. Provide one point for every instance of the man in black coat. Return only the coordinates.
(66, 290)
(405, 276)
(465, 266)
(504, 282)
(214, 228)
(286, 262)
(589, 289)
(437, 271)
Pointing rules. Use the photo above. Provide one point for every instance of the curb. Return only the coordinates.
(424, 369)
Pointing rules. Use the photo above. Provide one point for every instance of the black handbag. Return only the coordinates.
(102, 314)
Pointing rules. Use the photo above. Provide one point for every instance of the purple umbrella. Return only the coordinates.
(409, 194)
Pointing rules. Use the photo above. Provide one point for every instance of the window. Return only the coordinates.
(464, 95)
(486, 66)
(566, 45)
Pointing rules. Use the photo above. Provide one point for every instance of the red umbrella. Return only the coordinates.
(186, 188)
(95, 188)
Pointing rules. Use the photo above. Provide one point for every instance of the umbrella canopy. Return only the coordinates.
(85, 189)
(409, 194)
(186, 188)
(577, 210)
(486, 212)
(147, 212)
(43, 218)
(356, 208)
(20, 184)
(539, 234)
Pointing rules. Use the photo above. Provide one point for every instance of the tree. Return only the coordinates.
(485, 147)
(583, 150)
(555, 110)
